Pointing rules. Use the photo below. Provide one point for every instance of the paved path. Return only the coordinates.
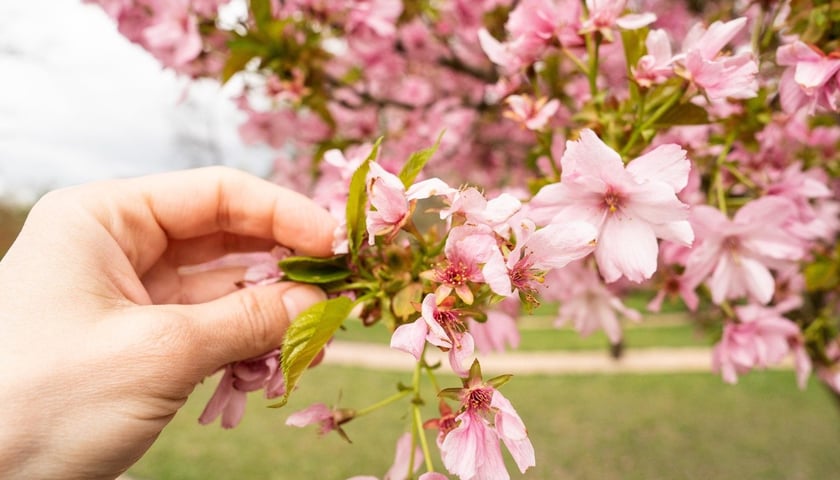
(649, 360)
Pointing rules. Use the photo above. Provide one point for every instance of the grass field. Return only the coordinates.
(688, 426)
(537, 334)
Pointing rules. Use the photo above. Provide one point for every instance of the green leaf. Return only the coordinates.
(261, 10)
(405, 299)
(822, 275)
(684, 114)
(417, 161)
(242, 51)
(315, 269)
(497, 382)
(356, 202)
(306, 336)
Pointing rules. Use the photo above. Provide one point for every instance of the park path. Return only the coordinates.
(642, 360)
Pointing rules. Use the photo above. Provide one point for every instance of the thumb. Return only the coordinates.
(247, 323)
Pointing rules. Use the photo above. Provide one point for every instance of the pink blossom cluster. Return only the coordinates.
(591, 148)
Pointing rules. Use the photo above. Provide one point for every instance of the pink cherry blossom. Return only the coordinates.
(534, 114)
(239, 378)
(604, 15)
(328, 419)
(812, 79)
(468, 250)
(761, 338)
(586, 303)
(442, 327)
(735, 256)
(477, 209)
(537, 252)
(630, 207)
(718, 76)
(657, 64)
(472, 449)
(392, 203)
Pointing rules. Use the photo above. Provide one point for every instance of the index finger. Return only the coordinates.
(193, 203)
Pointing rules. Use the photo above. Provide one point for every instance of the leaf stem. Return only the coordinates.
(384, 402)
(662, 110)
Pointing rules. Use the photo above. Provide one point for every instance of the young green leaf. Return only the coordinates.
(315, 269)
(306, 336)
(356, 201)
(416, 162)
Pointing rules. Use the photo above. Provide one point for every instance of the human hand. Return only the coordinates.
(102, 339)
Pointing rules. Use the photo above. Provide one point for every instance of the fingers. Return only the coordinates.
(200, 202)
(144, 215)
(244, 324)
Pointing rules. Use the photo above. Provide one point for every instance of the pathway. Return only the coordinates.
(648, 360)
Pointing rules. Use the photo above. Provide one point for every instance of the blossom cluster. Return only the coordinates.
(590, 148)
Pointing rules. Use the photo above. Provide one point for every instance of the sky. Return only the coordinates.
(78, 102)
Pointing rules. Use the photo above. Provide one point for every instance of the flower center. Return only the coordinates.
(454, 274)
(612, 200)
(479, 399)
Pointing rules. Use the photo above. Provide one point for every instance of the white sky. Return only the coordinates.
(78, 102)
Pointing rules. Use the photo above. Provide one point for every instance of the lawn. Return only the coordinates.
(689, 426)
(537, 334)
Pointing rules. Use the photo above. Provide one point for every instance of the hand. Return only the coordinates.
(101, 338)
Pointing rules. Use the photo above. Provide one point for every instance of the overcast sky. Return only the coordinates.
(78, 102)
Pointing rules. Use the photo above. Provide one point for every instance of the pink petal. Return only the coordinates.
(666, 163)
(512, 431)
(635, 21)
(461, 355)
(429, 188)
(627, 246)
(558, 244)
(314, 413)
(757, 279)
(718, 35)
(402, 456)
(411, 337)
(816, 74)
(590, 156)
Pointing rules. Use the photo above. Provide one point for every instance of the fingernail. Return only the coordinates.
(299, 298)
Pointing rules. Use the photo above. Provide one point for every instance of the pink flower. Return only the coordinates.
(173, 37)
(761, 339)
(630, 207)
(537, 252)
(534, 114)
(719, 76)
(468, 249)
(326, 418)
(657, 65)
(471, 450)
(477, 209)
(587, 303)
(229, 399)
(812, 79)
(440, 326)
(392, 203)
(604, 15)
(738, 253)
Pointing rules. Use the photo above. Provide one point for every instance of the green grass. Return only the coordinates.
(538, 335)
(689, 426)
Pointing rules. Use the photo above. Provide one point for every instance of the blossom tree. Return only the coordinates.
(564, 150)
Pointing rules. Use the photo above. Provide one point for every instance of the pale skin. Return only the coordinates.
(102, 339)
